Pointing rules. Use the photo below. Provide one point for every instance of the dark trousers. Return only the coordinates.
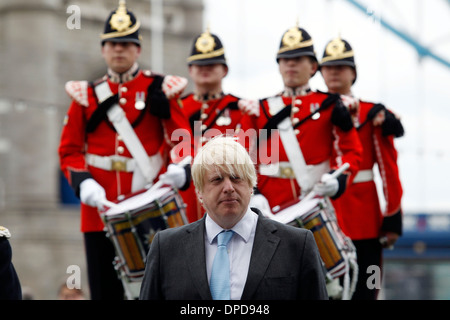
(104, 283)
(369, 253)
(10, 288)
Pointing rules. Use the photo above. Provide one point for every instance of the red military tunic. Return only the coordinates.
(209, 117)
(358, 209)
(153, 126)
(327, 140)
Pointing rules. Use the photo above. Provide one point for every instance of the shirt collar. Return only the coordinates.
(297, 91)
(243, 228)
(208, 96)
(123, 77)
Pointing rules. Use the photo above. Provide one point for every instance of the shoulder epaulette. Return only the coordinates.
(78, 91)
(4, 232)
(173, 86)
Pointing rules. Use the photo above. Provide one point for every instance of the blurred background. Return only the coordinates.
(402, 51)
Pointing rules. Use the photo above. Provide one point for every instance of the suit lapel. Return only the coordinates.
(195, 257)
(264, 247)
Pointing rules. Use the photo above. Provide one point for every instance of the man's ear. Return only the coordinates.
(199, 196)
(139, 49)
(225, 70)
(315, 67)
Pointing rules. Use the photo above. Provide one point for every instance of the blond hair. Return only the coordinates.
(223, 153)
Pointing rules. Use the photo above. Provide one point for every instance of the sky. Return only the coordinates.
(390, 71)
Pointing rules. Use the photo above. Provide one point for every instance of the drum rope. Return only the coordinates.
(346, 293)
(351, 264)
(355, 274)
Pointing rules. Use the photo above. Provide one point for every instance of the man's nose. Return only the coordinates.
(228, 185)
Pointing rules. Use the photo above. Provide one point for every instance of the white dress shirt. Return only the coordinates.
(239, 250)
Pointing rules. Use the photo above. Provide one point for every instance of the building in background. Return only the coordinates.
(42, 46)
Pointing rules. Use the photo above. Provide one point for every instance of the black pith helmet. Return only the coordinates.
(338, 52)
(121, 26)
(207, 49)
(296, 42)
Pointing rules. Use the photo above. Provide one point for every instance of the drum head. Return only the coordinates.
(137, 201)
(297, 210)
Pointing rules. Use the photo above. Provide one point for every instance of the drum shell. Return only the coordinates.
(133, 229)
(331, 241)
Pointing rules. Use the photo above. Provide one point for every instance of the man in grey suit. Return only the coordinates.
(267, 260)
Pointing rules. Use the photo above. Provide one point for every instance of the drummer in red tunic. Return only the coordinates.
(307, 134)
(358, 210)
(210, 111)
(113, 132)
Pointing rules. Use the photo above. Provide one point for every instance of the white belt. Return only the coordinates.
(363, 176)
(120, 163)
(284, 170)
(294, 154)
(279, 170)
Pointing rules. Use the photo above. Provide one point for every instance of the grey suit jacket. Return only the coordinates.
(285, 264)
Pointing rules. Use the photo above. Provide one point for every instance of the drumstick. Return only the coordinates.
(333, 175)
(109, 203)
(157, 185)
(339, 170)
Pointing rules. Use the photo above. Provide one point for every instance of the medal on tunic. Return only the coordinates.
(225, 119)
(312, 108)
(140, 100)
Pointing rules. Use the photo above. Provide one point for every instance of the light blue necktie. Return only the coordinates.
(220, 273)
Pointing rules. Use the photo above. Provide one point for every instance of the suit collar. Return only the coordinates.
(196, 261)
(264, 246)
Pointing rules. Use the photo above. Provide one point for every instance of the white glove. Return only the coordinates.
(350, 102)
(92, 194)
(327, 187)
(174, 176)
(173, 86)
(260, 202)
(251, 107)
